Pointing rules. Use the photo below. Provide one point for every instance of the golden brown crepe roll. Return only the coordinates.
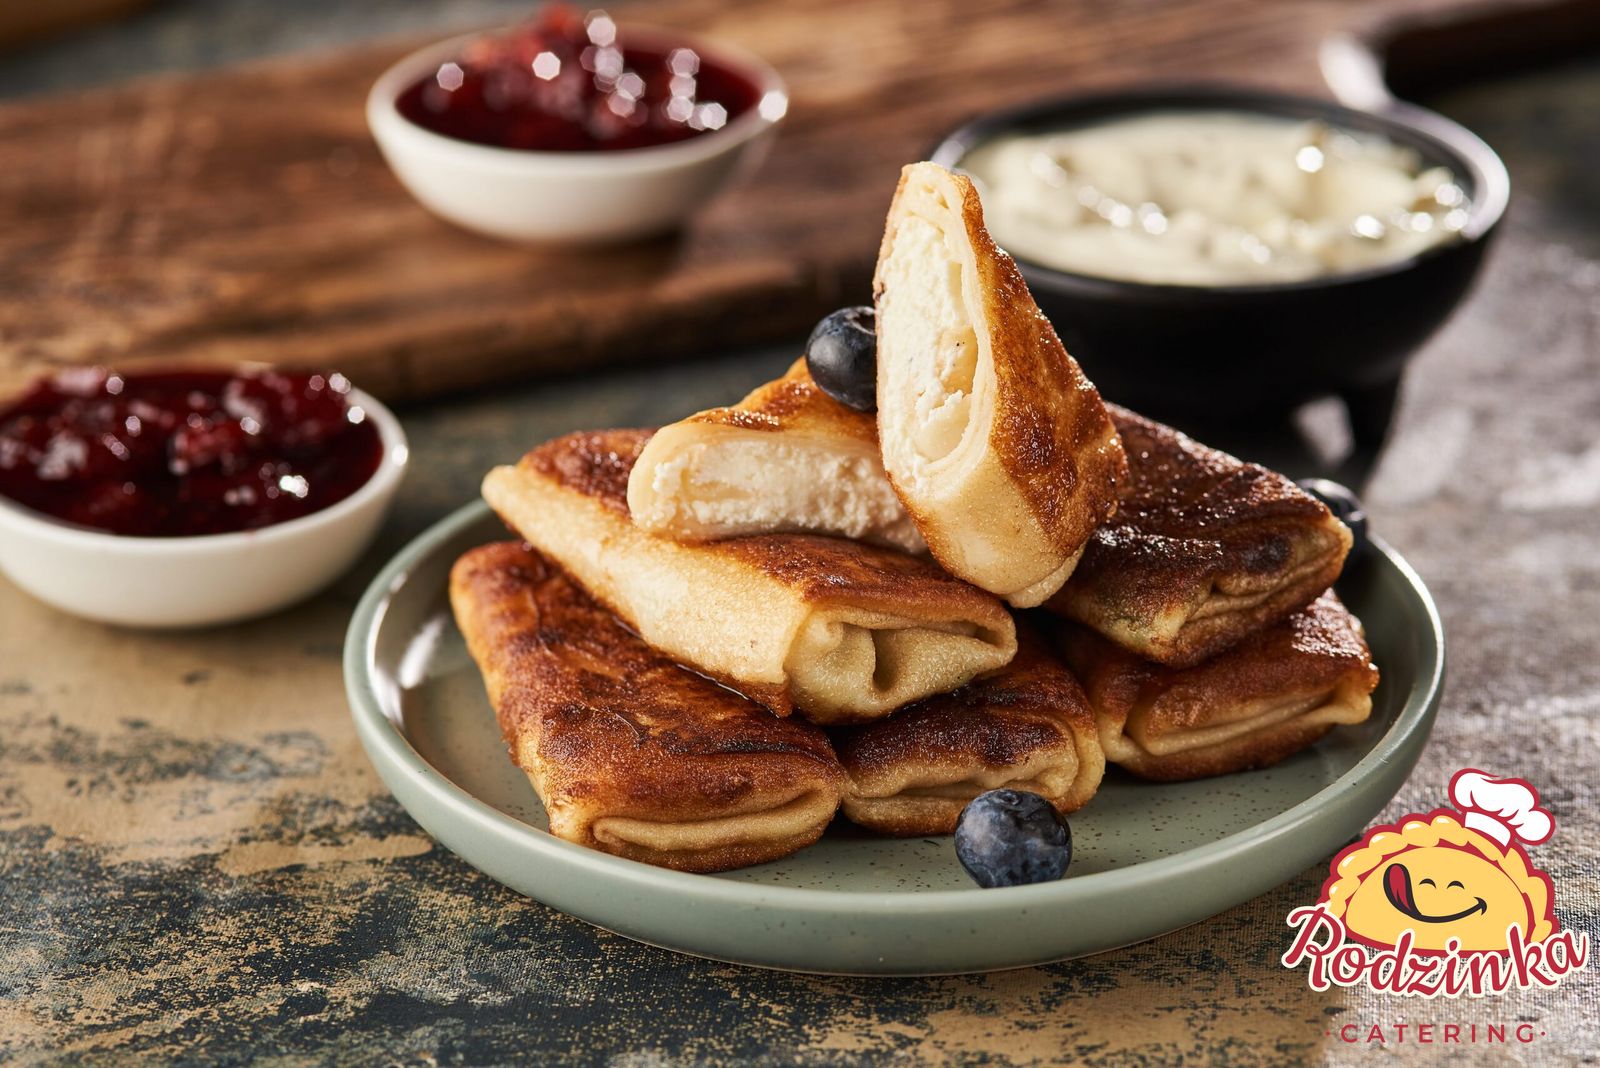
(1027, 727)
(630, 753)
(844, 632)
(786, 459)
(1203, 550)
(1266, 698)
(996, 443)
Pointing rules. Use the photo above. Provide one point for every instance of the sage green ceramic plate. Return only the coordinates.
(1148, 858)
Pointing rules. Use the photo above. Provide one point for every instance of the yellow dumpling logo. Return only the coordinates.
(1442, 905)
(1458, 878)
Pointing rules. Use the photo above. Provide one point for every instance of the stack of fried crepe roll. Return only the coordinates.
(713, 637)
(1202, 623)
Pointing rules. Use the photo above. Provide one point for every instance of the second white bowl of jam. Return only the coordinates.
(572, 130)
(190, 497)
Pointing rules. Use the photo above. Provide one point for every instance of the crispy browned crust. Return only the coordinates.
(819, 570)
(795, 404)
(1051, 433)
(1316, 659)
(1027, 725)
(596, 464)
(608, 729)
(1196, 530)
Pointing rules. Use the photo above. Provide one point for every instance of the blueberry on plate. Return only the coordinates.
(1011, 838)
(842, 356)
(1345, 506)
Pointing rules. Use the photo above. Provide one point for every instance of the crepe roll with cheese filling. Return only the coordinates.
(842, 631)
(997, 444)
(1268, 697)
(1203, 550)
(788, 458)
(1025, 727)
(630, 753)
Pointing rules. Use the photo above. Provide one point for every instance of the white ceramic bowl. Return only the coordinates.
(197, 581)
(571, 197)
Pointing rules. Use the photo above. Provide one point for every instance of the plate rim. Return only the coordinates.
(382, 737)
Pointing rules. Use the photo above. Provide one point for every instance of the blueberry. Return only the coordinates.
(1009, 838)
(1344, 504)
(842, 355)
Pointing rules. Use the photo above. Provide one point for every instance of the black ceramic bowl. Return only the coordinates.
(1226, 350)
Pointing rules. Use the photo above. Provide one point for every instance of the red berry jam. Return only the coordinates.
(184, 452)
(568, 83)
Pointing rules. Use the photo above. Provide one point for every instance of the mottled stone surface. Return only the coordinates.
(197, 864)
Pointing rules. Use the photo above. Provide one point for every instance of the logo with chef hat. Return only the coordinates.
(1461, 876)
(1450, 900)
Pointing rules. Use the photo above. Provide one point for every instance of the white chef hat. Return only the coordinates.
(1503, 809)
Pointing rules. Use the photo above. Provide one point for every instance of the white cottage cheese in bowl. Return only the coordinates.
(1212, 198)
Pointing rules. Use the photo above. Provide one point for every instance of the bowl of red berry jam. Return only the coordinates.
(573, 128)
(188, 497)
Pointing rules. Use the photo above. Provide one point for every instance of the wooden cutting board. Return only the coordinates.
(245, 214)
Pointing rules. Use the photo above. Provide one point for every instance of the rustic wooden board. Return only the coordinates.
(22, 23)
(246, 215)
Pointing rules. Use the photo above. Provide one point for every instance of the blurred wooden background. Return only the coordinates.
(244, 214)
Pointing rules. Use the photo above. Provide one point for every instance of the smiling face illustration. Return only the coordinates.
(1439, 892)
(1441, 881)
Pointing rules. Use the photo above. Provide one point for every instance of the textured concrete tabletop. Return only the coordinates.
(198, 864)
